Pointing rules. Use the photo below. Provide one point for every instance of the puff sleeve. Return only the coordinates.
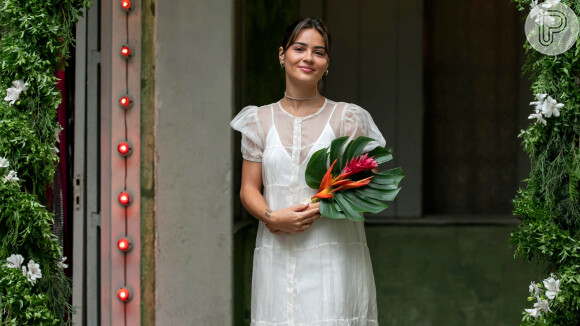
(248, 124)
(356, 122)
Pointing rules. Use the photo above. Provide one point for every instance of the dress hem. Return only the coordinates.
(359, 321)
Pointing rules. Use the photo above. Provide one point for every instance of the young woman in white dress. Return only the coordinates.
(308, 270)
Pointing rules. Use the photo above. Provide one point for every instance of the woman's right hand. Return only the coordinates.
(294, 219)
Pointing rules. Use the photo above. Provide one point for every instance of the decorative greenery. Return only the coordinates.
(35, 36)
(372, 189)
(549, 204)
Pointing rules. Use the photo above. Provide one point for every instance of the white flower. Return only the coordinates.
(551, 106)
(538, 116)
(55, 150)
(552, 287)
(539, 102)
(34, 272)
(11, 176)
(542, 16)
(57, 131)
(533, 312)
(534, 290)
(13, 93)
(542, 304)
(4, 163)
(533, 3)
(24, 270)
(545, 106)
(15, 261)
(549, 3)
(61, 263)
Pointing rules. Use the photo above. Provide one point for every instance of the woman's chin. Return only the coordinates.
(305, 79)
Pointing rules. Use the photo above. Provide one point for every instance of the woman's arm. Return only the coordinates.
(293, 219)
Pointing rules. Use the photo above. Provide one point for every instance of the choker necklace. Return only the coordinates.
(300, 99)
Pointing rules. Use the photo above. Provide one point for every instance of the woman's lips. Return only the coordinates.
(306, 69)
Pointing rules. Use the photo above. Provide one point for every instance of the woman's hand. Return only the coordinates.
(293, 219)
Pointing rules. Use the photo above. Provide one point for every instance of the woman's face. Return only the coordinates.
(306, 60)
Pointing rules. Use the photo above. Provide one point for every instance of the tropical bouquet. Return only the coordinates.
(347, 185)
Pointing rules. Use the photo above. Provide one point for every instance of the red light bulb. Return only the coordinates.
(126, 102)
(124, 149)
(124, 198)
(126, 5)
(123, 294)
(124, 244)
(126, 51)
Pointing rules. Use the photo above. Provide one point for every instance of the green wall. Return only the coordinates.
(428, 275)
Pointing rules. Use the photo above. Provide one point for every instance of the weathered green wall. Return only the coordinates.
(428, 275)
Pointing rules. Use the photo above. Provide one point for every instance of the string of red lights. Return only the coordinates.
(124, 149)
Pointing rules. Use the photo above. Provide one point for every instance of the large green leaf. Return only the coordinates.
(364, 204)
(347, 208)
(382, 195)
(316, 168)
(383, 186)
(353, 149)
(389, 176)
(336, 153)
(328, 208)
(381, 154)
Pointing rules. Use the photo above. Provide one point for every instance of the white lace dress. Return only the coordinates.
(323, 276)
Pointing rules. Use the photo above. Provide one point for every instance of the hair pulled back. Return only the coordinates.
(294, 29)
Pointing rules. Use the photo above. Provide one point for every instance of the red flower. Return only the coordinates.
(358, 164)
(330, 185)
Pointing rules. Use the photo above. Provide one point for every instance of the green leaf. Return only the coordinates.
(316, 168)
(328, 208)
(381, 154)
(353, 149)
(382, 195)
(364, 205)
(336, 153)
(383, 186)
(389, 176)
(347, 208)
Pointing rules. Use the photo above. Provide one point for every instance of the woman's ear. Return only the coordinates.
(281, 53)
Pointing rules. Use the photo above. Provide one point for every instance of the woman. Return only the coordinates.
(308, 270)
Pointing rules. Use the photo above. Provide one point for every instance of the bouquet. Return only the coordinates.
(349, 187)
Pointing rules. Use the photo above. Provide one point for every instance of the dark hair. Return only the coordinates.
(294, 29)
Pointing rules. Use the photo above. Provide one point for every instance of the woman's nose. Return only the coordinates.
(308, 56)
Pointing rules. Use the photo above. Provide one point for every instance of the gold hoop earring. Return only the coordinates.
(326, 74)
(282, 64)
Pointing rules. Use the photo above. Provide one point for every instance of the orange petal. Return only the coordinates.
(326, 193)
(327, 179)
(355, 184)
(341, 183)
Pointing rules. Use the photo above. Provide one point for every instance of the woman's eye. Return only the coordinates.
(320, 53)
(298, 49)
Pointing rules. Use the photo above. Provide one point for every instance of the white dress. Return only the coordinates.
(323, 276)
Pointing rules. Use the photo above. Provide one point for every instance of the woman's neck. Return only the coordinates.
(301, 100)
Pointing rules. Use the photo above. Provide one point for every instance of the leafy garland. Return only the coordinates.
(35, 36)
(549, 205)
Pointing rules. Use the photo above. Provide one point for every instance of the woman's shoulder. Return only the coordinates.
(349, 109)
